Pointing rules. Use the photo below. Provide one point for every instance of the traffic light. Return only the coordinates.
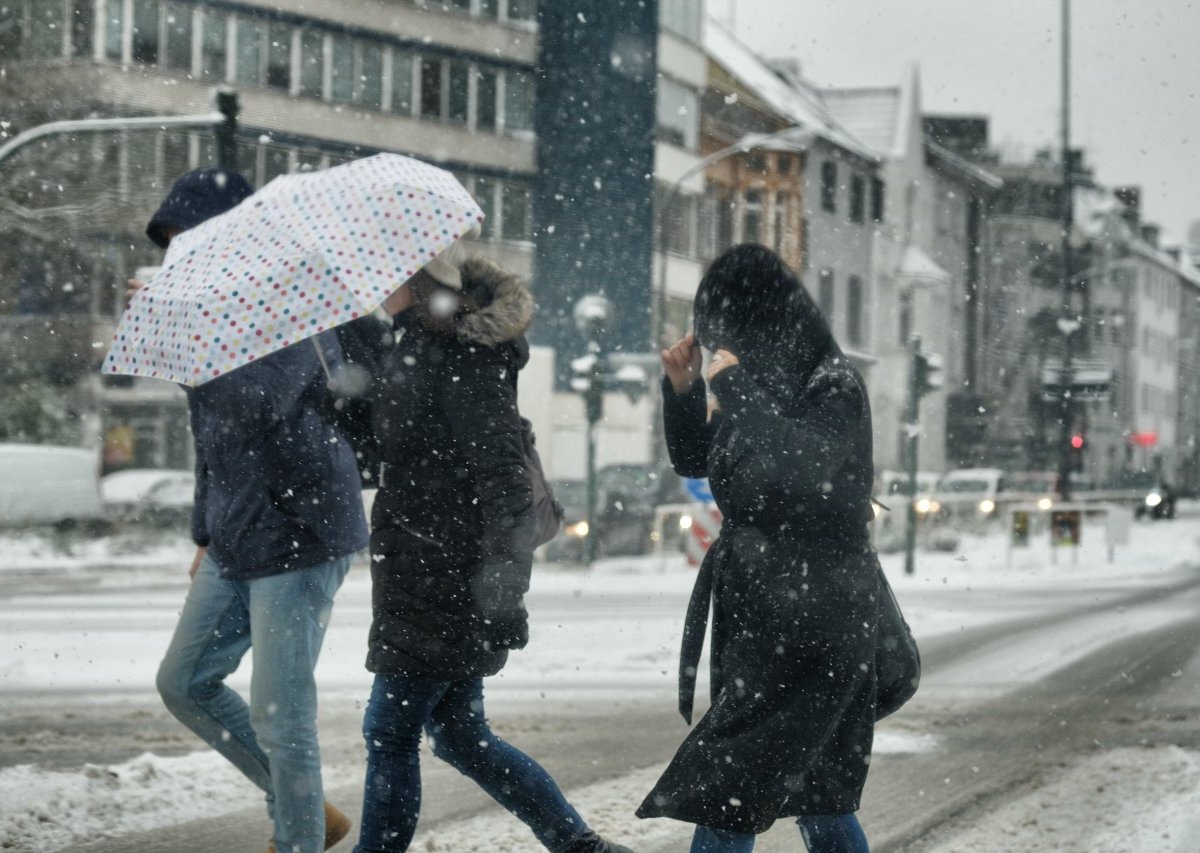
(927, 372)
(1077, 442)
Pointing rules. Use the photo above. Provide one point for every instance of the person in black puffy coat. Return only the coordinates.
(793, 580)
(451, 552)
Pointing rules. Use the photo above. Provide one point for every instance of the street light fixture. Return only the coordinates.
(592, 375)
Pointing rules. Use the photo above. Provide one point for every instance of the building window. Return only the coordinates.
(522, 10)
(485, 194)
(114, 29)
(341, 87)
(370, 75)
(877, 199)
(486, 92)
(752, 217)
(678, 114)
(249, 53)
(279, 57)
(312, 63)
(431, 88)
(825, 295)
(145, 32)
(177, 45)
(213, 50)
(681, 17)
(518, 101)
(458, 97)
(45, 21)
(780, 222)
(515, 212)
(855, 310)
(829, 186)
(402, 82)
(858, 199)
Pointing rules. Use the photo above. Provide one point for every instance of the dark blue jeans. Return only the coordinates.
(839, 833)
(451, 712)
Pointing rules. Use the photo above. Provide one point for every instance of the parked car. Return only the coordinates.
(1148, 492)
(155, 495)
(627, 498)
(45, 484)
(969, 494)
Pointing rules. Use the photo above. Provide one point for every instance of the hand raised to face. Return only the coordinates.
(723, 359)
(681, 363)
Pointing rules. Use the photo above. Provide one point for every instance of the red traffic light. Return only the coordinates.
(1077, 442)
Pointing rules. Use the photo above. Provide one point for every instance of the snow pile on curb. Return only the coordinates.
(1114, 802)
(59, 809)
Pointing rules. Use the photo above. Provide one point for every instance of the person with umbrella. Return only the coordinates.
(451, 552)
(792, 579)
(278, 515)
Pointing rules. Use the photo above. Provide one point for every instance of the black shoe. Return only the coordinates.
(593, 843)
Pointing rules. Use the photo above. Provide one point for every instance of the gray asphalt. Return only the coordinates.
(1129, 692)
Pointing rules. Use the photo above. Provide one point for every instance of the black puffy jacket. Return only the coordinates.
(451, 541)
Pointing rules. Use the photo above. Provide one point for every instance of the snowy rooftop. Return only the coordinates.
(872, 114)
(795, 100)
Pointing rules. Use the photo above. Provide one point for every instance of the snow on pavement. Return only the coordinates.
(610, 630)
(1119, 801)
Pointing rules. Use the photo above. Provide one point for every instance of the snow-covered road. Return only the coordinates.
(1029, 669)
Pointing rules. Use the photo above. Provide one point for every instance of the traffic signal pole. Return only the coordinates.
(923, 377)
(912, 434)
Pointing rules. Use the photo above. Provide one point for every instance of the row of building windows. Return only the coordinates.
(215, 45)
(146, 163)
(514, 11)
(702, 226)
(857, 201)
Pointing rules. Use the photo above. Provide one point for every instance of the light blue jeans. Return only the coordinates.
(272, 740)
(838, 833)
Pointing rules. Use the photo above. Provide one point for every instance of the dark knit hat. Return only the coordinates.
(197, 196)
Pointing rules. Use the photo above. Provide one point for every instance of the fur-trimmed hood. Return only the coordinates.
(500, 306)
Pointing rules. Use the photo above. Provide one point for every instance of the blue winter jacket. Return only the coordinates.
(277, 487)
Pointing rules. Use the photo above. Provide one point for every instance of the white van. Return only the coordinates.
(43, 484)
(969, 494)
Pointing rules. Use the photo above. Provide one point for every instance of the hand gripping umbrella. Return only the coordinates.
(304, 254)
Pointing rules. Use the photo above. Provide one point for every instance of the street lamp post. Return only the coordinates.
(223, 120)
(592, 376)
(1068, 323)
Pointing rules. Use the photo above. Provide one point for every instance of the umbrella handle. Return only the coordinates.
(321, 356)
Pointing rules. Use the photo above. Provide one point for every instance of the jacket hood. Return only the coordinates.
(751, 303)
(197, 196)
(500, 306)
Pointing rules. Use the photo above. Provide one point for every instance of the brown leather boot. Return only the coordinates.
(337, 827)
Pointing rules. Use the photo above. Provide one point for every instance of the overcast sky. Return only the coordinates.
(1135, 74)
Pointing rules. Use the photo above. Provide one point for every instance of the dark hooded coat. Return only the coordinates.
(451, 541)
(792, 579)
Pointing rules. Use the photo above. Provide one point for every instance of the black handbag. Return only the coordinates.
(897, 658)
(547, 512)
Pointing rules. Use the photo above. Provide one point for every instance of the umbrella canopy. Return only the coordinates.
(304, 254)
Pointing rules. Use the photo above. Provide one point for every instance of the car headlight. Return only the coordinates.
(1153, 499)
(1045, 503)
(685, 522)
(987, 507)
(579, 529)
(924, 505)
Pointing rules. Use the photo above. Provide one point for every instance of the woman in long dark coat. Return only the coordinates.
(793, 579)
(451, 551)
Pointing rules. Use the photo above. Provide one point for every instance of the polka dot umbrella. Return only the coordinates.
(304, 254)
